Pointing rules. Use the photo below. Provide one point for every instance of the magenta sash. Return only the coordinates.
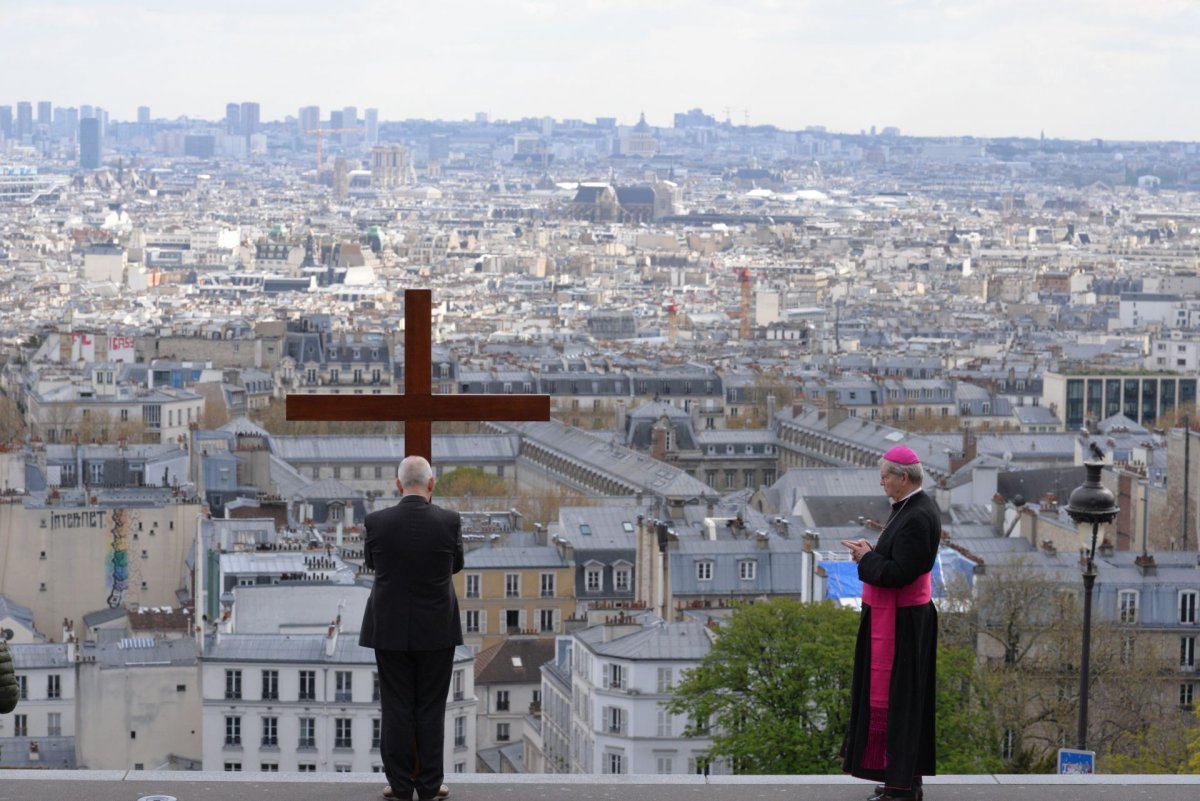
(884, 602)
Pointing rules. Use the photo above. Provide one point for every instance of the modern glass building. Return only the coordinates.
(1143, 398)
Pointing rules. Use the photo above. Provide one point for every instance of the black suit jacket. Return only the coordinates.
(414, 548)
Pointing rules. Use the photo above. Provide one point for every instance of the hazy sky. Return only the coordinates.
(1115, 69)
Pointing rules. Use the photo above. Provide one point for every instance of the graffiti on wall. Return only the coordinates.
(117, 566)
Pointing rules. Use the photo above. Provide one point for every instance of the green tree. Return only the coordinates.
(775, 688)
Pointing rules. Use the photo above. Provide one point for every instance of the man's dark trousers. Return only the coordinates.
(412, 690)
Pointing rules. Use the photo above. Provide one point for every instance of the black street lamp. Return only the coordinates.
(1093, 503)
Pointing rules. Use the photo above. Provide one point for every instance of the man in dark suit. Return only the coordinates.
(412, 622)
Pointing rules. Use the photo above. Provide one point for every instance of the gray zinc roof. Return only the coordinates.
(514, 557)
(628, 467)
(665, 641)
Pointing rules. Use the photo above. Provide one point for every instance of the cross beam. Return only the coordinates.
(418, 407)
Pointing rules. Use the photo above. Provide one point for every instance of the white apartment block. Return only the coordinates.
(310, 703)
(1178, 352)
(40, 732)
(602, 708)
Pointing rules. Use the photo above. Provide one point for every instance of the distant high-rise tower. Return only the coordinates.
(89, 143)
(349, 120)
(44, 112)
(250, 119)
(372, 126)
(233, 118)
(6, 122)
(335, 119)
(143, 115)
(310, 119)
(24, 118)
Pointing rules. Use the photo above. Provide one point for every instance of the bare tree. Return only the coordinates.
(12, 424)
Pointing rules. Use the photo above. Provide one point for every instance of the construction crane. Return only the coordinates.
(319, 132)
(747, 296)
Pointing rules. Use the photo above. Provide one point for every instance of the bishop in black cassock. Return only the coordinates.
(890, 735)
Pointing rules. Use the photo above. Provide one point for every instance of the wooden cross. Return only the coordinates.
(418, 407)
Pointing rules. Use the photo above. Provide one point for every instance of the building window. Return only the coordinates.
(20, 725)
(616, 720)
(308, 733)
(376, 733)
(665, 720)
(1187, 606)
(54, 724)
(747, 569)
(621, 579)
(704, 571)
(664, 764)
(53, 686)
(342, 737)
(460, 731)
(472, 621)
(472, 581)
(501, 700)
(458, 685)
(375, 685)
(270, 731)
(233, 767)
(547, 585)
(512, 585)
(591, 577)
(665, 679)
(1127, 606)
(344, 685)
(730, 479)
(270, 685)
(22, 688)
(269, 767)
(308, 685)
(614, 763)
(616, 676)
(233, 730)
(1187, 653)
(546, 620)
(306, 767)
(233, 684)
(502, 732)
(1187, 694)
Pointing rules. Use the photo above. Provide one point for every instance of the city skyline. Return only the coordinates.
(1079, 69)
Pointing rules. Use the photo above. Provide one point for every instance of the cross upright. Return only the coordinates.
(418, 407)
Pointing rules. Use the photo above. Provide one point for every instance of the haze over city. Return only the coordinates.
(1077, 69)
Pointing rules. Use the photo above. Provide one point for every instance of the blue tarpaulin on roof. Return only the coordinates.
(841, 578)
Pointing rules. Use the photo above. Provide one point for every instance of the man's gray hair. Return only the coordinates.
(414, 471)
(914, 472)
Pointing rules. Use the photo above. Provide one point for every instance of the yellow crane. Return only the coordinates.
(319, 132)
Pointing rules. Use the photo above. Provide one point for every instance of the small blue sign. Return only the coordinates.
(1072, 760)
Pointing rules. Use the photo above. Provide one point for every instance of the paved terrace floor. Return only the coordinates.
(18, 785)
